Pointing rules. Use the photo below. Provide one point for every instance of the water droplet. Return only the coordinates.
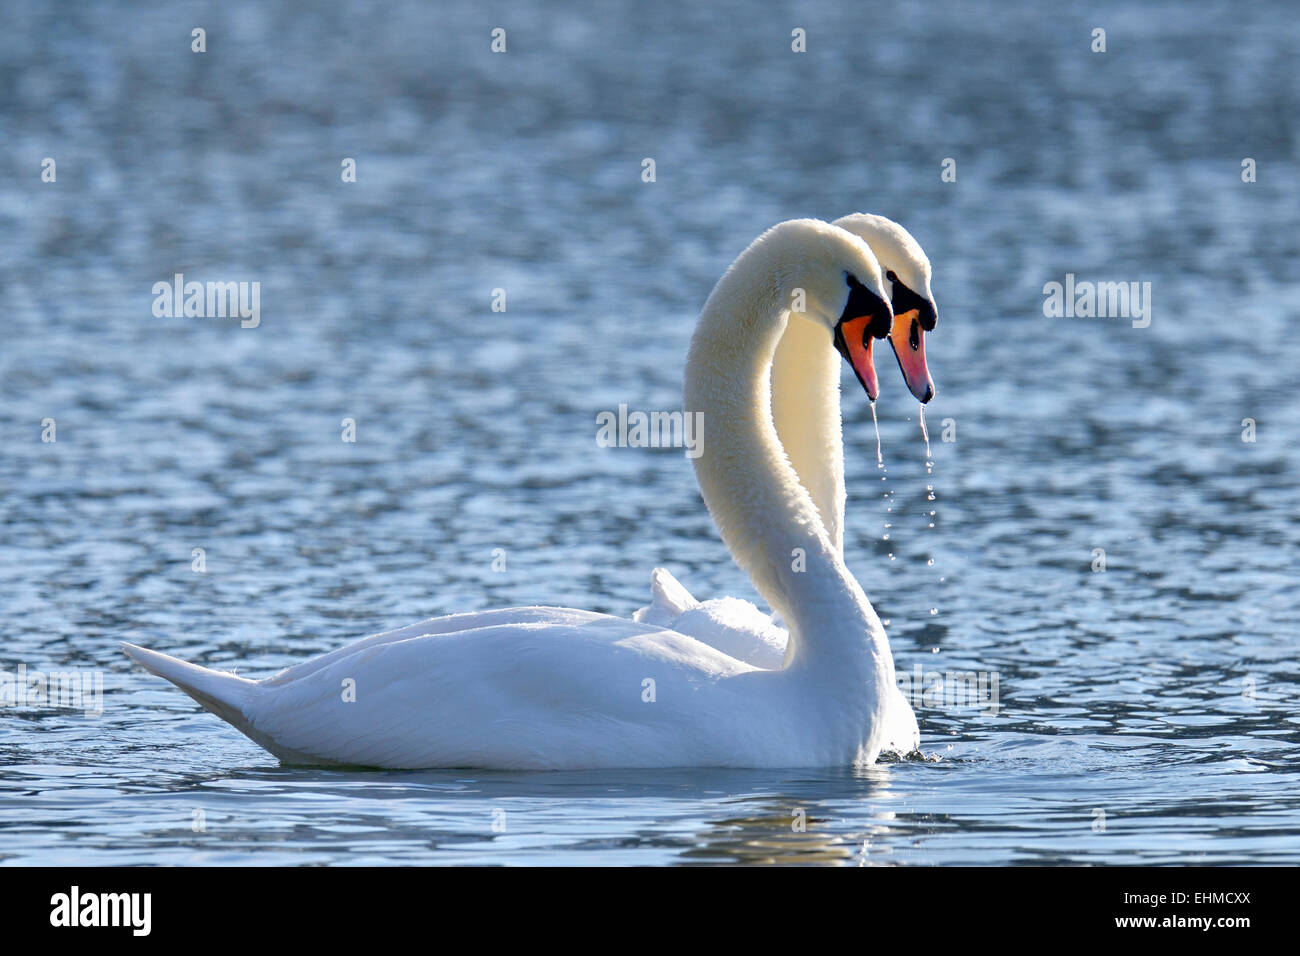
(880, 460)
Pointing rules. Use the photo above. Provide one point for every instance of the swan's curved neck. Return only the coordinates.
(765, 515)
(806, 413)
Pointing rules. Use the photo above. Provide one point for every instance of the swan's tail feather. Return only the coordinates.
(223, 693)
(669, 600)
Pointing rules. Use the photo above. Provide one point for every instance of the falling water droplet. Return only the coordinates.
(880, 460)
(929, 488)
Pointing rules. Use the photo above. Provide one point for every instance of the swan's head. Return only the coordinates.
(842, 287)
(865, 316)
(907, 275)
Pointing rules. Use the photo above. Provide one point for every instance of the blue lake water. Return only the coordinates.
(1148, 712)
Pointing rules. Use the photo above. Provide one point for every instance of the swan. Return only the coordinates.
(559, 688)
(806, 412)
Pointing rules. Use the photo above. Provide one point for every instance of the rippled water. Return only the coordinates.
(1148, 713)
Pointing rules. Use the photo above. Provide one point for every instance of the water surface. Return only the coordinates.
(1148, 712)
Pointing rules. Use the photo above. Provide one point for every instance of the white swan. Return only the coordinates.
(555, 688)
(806, 412)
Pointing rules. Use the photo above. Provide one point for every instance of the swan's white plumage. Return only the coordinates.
(895, 248)
(806, 414)
(669, 600)
(732, 625)
(495, 689)
(739, 629)
(556, 688)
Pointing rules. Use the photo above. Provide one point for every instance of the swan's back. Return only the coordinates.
(529, 688)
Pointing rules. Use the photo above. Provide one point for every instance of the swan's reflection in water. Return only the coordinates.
(690, 817)
(806, 823)
(789, 831)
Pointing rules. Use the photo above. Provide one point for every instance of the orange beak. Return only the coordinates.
(908, 339)
(853, 339)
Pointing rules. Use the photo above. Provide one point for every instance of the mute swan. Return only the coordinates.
(556, 688)
(806, 412)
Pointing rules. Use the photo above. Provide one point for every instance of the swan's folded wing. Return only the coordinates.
(738, 629)
(448, 624)
(533, 695)
(731, 625)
